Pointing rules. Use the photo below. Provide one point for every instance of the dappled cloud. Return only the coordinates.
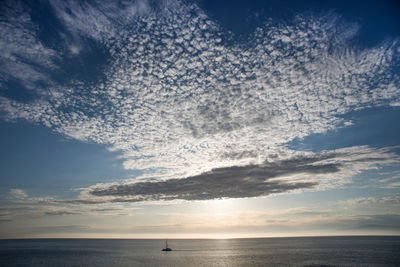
(181, 96)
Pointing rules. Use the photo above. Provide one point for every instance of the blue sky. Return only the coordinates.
(138, 118)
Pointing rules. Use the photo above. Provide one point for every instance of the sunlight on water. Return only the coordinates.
(306, 251)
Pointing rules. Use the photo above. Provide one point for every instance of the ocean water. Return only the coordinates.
(303, 251)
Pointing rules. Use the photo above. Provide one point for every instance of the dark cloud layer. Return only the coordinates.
(230, 182)
(302, 171)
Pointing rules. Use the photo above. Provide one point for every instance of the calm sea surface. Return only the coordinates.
(305, 251)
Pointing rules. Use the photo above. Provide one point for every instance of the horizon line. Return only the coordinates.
(201, 238)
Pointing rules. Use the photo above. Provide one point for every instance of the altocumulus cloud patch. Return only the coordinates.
(181, 94)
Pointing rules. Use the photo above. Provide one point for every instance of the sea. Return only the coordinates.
(299, 251)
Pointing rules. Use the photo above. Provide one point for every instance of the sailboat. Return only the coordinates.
(166, 246)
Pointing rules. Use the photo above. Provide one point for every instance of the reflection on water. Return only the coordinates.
(306, 251)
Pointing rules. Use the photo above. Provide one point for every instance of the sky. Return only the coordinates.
(199, 119)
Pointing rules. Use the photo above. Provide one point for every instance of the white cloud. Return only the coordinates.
(98, 19)
(23, 57)
(176, 98)
(18, 194)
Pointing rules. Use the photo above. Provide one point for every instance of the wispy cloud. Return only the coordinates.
(98, 19)
(364, 201)
(5, 216)
(18, 194)
(24, 58)
(24, 206)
